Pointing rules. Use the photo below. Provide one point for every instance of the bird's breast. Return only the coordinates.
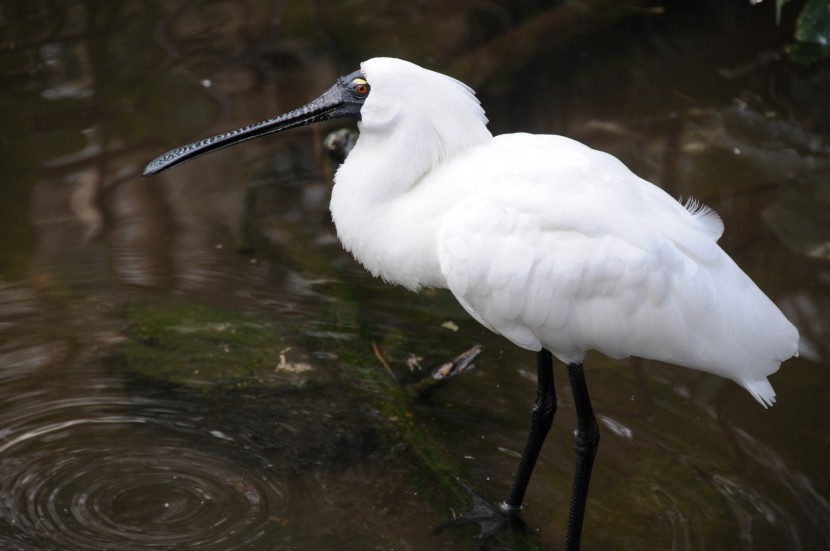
(393, 237)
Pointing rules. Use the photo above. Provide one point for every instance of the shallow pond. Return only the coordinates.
(192, 361)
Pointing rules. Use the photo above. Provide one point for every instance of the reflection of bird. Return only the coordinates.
(554, 245)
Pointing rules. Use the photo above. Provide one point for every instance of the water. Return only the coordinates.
(186, 362)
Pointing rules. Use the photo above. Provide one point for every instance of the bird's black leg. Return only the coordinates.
(541, 418)
(493, 520)
(586, 440)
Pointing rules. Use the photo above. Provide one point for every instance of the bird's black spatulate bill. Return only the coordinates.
(337, 102)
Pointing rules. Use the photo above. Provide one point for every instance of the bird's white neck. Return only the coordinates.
(392, 241)
(408, 134)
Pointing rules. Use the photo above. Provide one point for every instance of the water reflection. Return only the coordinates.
(96, 453)
(93, 460)
(74, 487)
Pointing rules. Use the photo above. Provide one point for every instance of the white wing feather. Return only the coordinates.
(606, 262)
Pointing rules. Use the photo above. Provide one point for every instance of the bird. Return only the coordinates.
(558, 247)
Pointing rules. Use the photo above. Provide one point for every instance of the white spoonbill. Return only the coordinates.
(558, 247)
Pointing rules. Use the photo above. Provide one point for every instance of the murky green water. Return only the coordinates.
(186, 362)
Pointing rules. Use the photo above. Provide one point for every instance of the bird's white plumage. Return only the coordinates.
(544, 240)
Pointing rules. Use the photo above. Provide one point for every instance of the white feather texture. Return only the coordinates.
(544, 240)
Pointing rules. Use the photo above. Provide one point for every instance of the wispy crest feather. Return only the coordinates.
(709, 220)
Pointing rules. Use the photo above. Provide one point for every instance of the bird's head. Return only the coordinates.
(430, 116)
(388, 96)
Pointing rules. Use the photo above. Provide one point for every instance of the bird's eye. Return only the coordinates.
(361, 87)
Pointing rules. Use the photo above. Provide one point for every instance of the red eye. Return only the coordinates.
(362, 89)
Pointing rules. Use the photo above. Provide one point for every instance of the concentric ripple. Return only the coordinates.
(130, 482)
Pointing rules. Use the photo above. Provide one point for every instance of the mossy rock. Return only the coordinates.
(182, 342)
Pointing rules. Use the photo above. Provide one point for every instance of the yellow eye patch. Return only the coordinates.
(360, 86)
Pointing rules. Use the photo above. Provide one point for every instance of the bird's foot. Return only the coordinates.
(491, 520)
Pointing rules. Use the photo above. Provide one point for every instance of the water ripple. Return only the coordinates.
(120, 481)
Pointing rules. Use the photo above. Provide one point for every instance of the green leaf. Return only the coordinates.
(813, 24)
(812, 31)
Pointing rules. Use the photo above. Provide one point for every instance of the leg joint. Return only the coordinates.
(543, 413)
(586, 438)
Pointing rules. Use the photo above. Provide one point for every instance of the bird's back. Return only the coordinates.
(561, 246)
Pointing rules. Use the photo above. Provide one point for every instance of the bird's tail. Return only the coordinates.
(761, 390)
